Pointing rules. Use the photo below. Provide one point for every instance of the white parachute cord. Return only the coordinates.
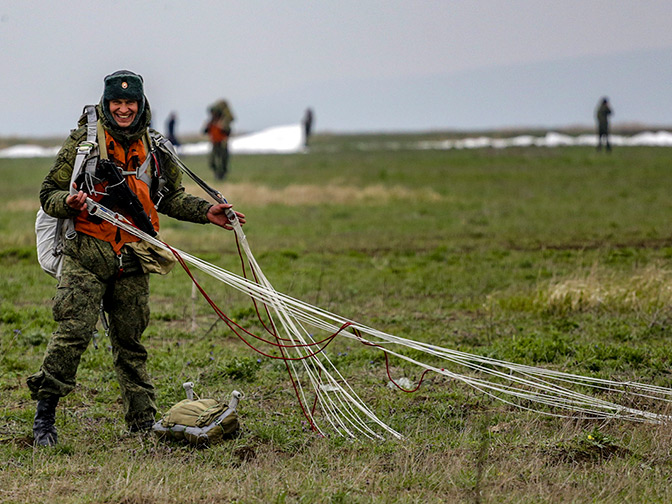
(457, 357)
(563, 398)
(465, 359)
(268, 296)
(318, 383)
(550, 394)
(567, 399)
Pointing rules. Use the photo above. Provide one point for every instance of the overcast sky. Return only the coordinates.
(272, 59)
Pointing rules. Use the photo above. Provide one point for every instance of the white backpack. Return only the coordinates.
(47, 229)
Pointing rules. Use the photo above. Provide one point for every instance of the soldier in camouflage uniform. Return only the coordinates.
(103, 267)
(218, 128)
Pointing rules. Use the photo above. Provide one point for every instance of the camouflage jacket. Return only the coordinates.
(92, 253)
(176, 203)
(603, 113)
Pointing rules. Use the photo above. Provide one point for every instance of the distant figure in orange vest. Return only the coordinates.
(603, 113)
(218, 128)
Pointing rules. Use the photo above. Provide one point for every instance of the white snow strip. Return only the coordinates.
(28, 151)
(289, 139)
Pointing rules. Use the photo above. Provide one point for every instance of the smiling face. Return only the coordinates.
(123, 111)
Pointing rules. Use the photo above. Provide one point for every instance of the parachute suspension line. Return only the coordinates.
(525, 387)
(273, 331)
(342, 411)
(296, 331)
(481, 368)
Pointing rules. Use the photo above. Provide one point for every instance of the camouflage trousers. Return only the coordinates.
(219, 159)
(76, 309)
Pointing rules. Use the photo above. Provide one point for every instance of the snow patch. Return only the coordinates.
(290, 139)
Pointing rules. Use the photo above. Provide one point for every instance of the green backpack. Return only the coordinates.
(201, 421)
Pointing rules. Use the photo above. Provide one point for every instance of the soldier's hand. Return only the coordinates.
(77, 201)
(218, 215)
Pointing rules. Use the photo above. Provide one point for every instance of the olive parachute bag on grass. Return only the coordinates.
(200, 422)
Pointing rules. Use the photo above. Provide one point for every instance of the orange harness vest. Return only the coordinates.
(216, 133)
(129, 162)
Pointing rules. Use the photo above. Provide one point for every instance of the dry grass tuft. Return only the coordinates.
(21, 205)
(644, 289)
(292, 195)
(306, 194)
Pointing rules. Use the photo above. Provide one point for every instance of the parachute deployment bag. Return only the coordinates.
(200, 422)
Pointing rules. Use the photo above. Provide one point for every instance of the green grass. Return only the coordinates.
(549, 257)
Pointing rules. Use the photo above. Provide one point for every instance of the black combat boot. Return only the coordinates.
(44, 430)
(142, 426)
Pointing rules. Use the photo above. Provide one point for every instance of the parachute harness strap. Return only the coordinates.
(86, 152)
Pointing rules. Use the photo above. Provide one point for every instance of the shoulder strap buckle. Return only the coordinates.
(87, 146)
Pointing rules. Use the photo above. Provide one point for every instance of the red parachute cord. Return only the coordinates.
(235, 327)
(357, 333)
(321, 344)
(274, 333)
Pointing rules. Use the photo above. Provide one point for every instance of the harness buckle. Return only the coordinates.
(159, 196)
(87, 146)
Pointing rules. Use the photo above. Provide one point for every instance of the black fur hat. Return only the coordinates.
(124, 84)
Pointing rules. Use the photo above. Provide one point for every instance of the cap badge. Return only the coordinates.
(124, 84)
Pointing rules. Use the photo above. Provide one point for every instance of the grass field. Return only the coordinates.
(550, 257)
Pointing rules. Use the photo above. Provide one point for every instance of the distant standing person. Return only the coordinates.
(308, 124)
(218, 128)
(603, 113)
(170, 128)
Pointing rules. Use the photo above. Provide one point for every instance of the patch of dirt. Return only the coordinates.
(245, 454)
(582, 453)
(22, 441)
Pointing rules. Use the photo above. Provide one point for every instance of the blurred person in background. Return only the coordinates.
(602, 115)
(308, 118)
(171, 125)
(218, 129)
